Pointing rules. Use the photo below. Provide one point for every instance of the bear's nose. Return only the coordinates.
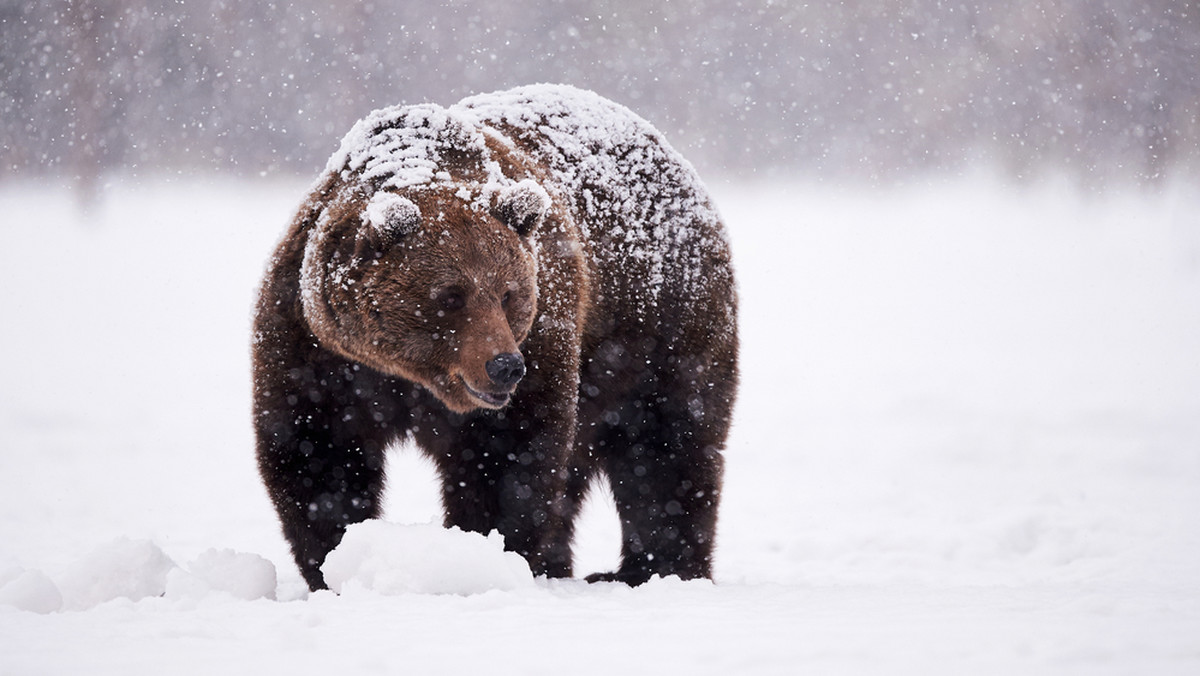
(506, 369)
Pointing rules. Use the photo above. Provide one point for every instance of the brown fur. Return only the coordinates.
(366, 335)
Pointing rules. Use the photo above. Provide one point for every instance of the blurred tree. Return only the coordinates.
(88, 95)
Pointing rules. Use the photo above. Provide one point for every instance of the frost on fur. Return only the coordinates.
(392, 215)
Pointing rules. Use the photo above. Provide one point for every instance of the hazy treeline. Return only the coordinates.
(1103, 88)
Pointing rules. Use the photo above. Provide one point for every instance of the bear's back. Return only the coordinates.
(654, 235)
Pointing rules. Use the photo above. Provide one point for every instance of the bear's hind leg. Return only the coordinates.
(665, 470)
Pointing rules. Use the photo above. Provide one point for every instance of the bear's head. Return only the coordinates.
(436, 285)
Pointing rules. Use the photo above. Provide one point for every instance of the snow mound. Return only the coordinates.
(241, 575)
(123, 568)
(393, 559)
(29, 590)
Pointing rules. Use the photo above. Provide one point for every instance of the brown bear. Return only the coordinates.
(535, 288)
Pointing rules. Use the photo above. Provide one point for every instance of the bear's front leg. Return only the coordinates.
(506, 471)
(321, 456)
(499, 475)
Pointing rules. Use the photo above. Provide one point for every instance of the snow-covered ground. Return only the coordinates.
(968, 442)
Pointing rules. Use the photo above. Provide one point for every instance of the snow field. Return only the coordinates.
(968, 441)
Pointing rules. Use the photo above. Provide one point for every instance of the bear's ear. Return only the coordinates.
(522, 206)
(390, 216)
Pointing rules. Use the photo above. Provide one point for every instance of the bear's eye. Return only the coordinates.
(505, 298)
(451, 299)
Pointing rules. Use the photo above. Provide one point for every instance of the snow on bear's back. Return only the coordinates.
(638, 201)
(612, 161)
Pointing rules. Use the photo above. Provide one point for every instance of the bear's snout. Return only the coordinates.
(506, 369)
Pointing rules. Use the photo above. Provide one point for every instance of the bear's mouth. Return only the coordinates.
(492, 399)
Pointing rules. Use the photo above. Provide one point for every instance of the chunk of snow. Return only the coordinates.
(30, 590)
(392, 559)
(242, 575)
(124, 568)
